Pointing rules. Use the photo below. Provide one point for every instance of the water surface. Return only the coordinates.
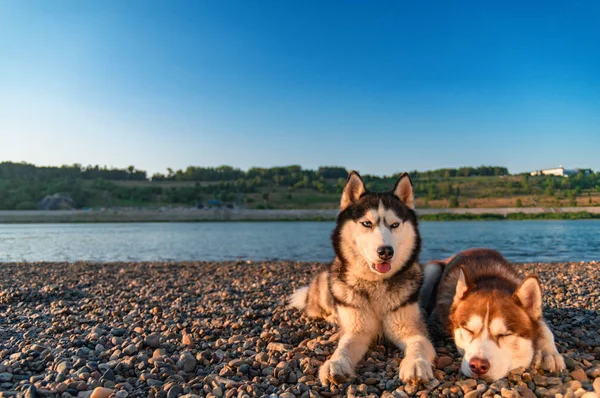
(519, 241)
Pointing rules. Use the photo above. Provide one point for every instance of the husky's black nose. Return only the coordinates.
(479, 366)
(385, 252)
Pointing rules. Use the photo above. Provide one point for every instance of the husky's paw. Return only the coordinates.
(536, 362)
(332, 319)
(553, 362)
(415, 370)
(335, 371)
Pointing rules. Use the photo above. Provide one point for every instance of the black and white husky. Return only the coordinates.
(372, 286)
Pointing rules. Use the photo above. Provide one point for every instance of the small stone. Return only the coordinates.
(553, 381)
(175, 391)
(63, 367)
(187, 340)
(235, 339)
(101, 392)
(109, 375)
(130, 349)
(593, 372)
(506, 393)
(526, 392)
(411, 389)
(31, 392)
(61, 387)
(579, 374)
(5, 377)
(597, 385)
(153, 382)
(432, 384)
(468, 384)
(444, 361)
(472, 394)
(187, 362)
(278, 347)
(152, 340)
(118, 332)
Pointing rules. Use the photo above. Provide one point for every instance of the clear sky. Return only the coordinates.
(378, 86)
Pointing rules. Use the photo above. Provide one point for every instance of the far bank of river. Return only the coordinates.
(200, 215)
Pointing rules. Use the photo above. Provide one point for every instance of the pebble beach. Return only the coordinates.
(222, 330)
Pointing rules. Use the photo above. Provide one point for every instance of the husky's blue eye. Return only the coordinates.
(367, 224)
(395, 225)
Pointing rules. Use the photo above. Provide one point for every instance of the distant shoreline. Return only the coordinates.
(218, 215)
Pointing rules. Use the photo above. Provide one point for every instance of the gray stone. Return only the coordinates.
(187, 362)
(152, 340)
(130, 349)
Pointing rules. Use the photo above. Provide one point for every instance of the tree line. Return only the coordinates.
(23, 185)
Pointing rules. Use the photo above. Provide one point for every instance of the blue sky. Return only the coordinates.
(376, 86)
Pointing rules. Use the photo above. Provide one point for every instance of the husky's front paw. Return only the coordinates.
(416, 370)
(335, 371)
(553, 362)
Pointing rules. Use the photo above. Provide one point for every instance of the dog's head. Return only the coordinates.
(377, 231)
(493, 329)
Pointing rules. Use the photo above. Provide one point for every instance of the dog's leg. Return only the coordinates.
(359, 328)
(547, 356)
(406, 329)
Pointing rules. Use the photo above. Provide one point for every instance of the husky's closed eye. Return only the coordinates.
(493, 314)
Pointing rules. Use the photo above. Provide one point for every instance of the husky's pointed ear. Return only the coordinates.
(353, 189)
(530, 296)
(462, 285)
(404, 191)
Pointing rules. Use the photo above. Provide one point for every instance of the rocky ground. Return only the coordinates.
(221, 329)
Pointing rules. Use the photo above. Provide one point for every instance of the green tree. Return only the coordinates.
(453, 202)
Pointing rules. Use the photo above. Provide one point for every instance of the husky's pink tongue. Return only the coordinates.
(383, 267)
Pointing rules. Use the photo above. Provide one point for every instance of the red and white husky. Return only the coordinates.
(494, 315)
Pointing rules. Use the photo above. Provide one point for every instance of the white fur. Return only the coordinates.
(298, 298)
(548, 357)
(368, 240)
(475, 324)
(379, 310)
(497, 326)
(509, 353)
(403, 327)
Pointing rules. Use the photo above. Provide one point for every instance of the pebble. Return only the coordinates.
(579, 374)
(442, 362)
(130, 349)
(101, 392)
(221, 330)
(187, 362)
(152, 340)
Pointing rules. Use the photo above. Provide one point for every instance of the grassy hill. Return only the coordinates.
(22, 186)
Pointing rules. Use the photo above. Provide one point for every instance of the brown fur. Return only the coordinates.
(481, 284)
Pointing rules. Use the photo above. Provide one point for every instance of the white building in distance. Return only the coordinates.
(558, 171)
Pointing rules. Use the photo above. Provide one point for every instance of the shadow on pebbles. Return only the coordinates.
(222, 330)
